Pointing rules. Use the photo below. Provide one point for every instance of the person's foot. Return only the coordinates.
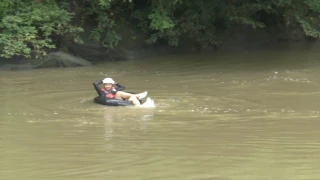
(142, 95)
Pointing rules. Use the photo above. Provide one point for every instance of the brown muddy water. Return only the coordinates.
(249, 115)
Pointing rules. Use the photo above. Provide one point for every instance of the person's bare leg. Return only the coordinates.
(131, 97)
(123, 95)
(134, 100)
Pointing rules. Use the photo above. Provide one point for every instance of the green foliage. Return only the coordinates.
(200, 21)
(5, 6)
(302, 13)
(191, 21)
(309, 17)
(104, 32)
(104, 13)
(160, 20)
(105, 4)
(314, 5)
(307, 28)
(35, 27)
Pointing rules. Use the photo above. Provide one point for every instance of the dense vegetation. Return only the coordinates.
(31, 27)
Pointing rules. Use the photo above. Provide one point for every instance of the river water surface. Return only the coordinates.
(248, 115)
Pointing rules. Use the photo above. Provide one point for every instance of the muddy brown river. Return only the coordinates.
(222, 116)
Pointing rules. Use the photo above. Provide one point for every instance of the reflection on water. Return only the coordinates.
(215, 118)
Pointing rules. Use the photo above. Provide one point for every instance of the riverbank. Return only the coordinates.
(91, 53)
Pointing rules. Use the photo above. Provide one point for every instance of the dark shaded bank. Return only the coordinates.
(239, 38)
(53, 59)
(89, 53)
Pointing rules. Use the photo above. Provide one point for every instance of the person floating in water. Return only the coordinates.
(113, 90)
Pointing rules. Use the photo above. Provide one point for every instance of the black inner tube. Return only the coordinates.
(111, 102)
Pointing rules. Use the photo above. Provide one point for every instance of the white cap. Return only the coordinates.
(108, 81)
